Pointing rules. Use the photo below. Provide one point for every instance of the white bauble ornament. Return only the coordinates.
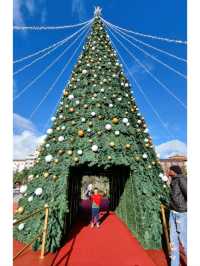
(83, 119)
(63, 127)
(117, 132)
(146, 130)
(119, 99)
(38, 191)
(102, 90)
(146, 140)
(158, 155)
(53, 118)
(49, 131)
(139, 121)
(77, 102)
(71, 97)
(30, 198)
(93, 114)
(21, 227)
(128, 124)
(30, 177)
(95, 148)
(126, 85)
(163, 177)
(125, 120)
(144, 156)
(61, 116)
(23, 189)
(48, 158)
(47, 145)
(79, 152)
(110, 105)
(108, 127)
(61, 138)
(84, 71)
(14, 221)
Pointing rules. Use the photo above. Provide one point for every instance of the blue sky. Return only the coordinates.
(161, 18)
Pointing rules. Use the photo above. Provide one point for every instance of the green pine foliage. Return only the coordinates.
(97, 92)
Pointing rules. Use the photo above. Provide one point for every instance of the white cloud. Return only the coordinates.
(26, 138)
(78, 8)
(26, 8)
(21, 123)
(171, 148)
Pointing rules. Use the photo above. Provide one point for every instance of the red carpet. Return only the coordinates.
(111, 245)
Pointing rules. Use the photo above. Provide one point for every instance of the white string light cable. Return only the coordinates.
(151, 56)
(58, 77)
(49, 52)
(148, 45)
(148, 36)
(149, 72)
(47, 68)
(143, 93)
(38, 28)
(45, 49)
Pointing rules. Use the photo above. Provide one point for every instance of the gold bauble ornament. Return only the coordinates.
(20, 210)
(112, 144)
(98, 105)
(71, 109)
(85, 106)
(153, 163)
(147, 145)
(109, 157)
(137, 158)
(81, 133)
(126, 113)
(58, 128)
(60, 151)
(54, 177)
(76, 159)
(115, 120)
(149, 166)
(90, 141)
(56, 161)
(45, 174)
(90, 124)
(99, 133)
(132, 110)
(69, 152)
(66, 93)
(77, 113)
(100, 117)
(73, 123)
(128, 146)
(138, 129)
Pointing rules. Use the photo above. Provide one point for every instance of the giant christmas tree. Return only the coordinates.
(97, 127)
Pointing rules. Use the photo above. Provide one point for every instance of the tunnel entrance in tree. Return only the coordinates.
(110, 182)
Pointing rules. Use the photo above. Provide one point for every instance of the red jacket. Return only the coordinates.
(96, 199)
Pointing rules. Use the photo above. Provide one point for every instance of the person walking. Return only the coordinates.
(178, 213)
(96, 199)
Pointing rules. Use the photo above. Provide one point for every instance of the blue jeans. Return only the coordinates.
(95, 215)
(178, 234)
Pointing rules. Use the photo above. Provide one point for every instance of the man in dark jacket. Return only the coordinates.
(178, 213)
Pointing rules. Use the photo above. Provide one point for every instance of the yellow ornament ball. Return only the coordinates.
(153, 163)
(20, 210)
(128, 146)
(115, 120)
(137, 158)
(60, 152)
(45, 174)
(76, 159)
(66, 93)
(81, 133)
(147, 145)
(109, 157)
(71, 109)
(55, 177)
(69, 152)
(112, 144)
(56, 161)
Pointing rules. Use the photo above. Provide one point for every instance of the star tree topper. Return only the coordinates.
(97, 11)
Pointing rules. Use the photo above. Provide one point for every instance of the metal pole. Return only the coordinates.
(44, 231)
